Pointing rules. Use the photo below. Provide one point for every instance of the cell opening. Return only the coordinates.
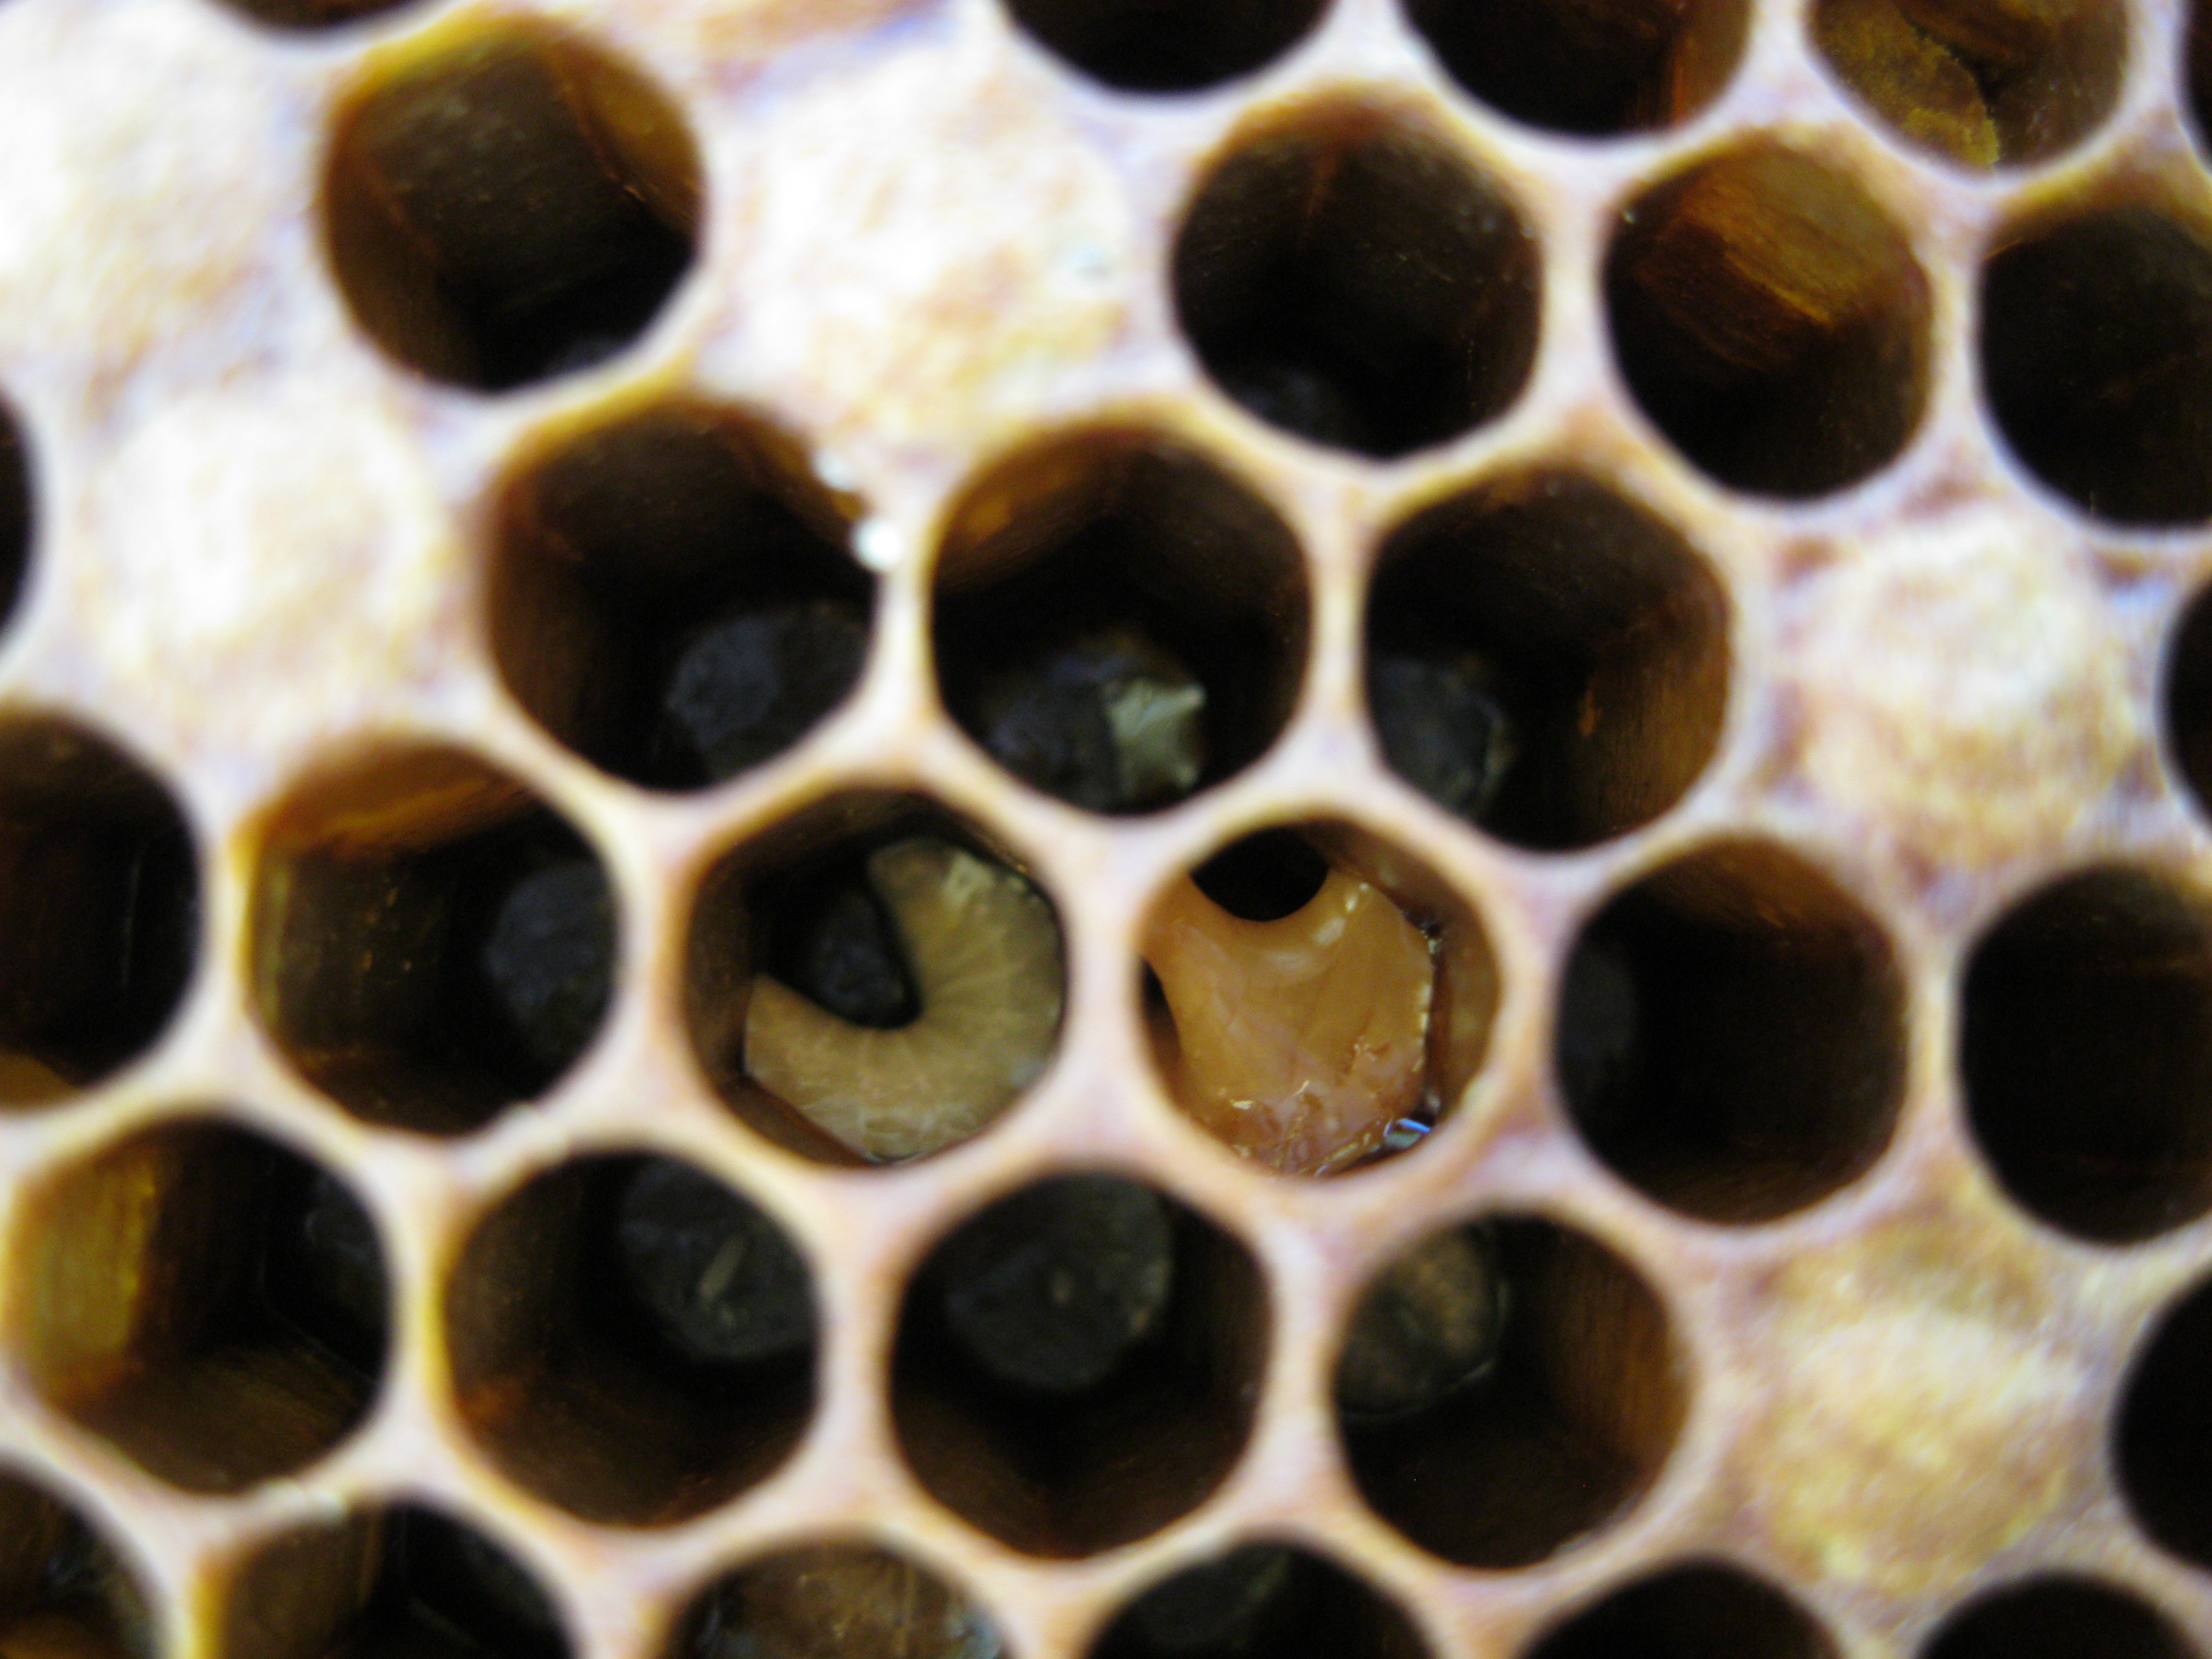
(430, 943)
(1348, 277)
(2057, 1618)
(835, 1599)
(210, 1302)
(1317, 998)
(99, 910)
(1517, 1360)
(17, 519)
(516, 205)
(313, 14)
(1770, 321)
(1731, 1035)
(2096, 360)
(1167, 46)
(1267, 1598)
(2162, 1438)
(1077, 1364)
(2187, 701)
(1118, 622)
(1591, 67)
(401, 1581)
(63, 1591)
(633, 1341)
(872, 981)
(1985, 83)
(2086, 1049)
(674, 596)
(1700, 1611)
(1547, 660)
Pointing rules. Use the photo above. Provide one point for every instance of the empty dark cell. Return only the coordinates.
(1109, 722)
(1442, 727)
(238, 1328)
(1586, 66)
(1260, 1600)
(746, 687)
(2097, 363)
(2086, 1044)
(1690, 1613)
(313, 13)
(63, 1593)
(15, 515)
(1730, 1035)
(1216, 1607)
(518, 206)
(1167, 46)
(1351, 281)
(324, 1275)
(2162, 1441)
(516, 179)
(1427, 1326)
(2188, 699)
(1771, 321)
(1051, 1289)
(100, 914)
(2059, 1617)
(720, 1281)
(547, 960)
(446, 1591)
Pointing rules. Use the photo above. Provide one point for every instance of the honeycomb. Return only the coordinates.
(1105, 829)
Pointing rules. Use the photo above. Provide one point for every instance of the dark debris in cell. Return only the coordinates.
(1051, 1289)
(720, 1281)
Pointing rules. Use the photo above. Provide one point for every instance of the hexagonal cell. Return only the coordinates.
(1506, 1388)
(834, 1601)
(1771, 321)
(1348, 276)
(1167, 46)
(17, 519)
(1270, 1598)
(430, 944)
(2059, 1617)
(64, 1591)
(1117, 621)
(1689, 1611)
(99, 909)
(1077, 1364)
(2086, 1049)
(2162, 1437)
(872, 981)
(313, 14)
(513, 203)
(2185, 703)
(631, 1340)
(404, 1582)
(207, 1301)
(1592, 67)
(1546, 659)
(1317, 998)
(674, 596)
(2096, 359)
(1730, 1035)
(1985, 82)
